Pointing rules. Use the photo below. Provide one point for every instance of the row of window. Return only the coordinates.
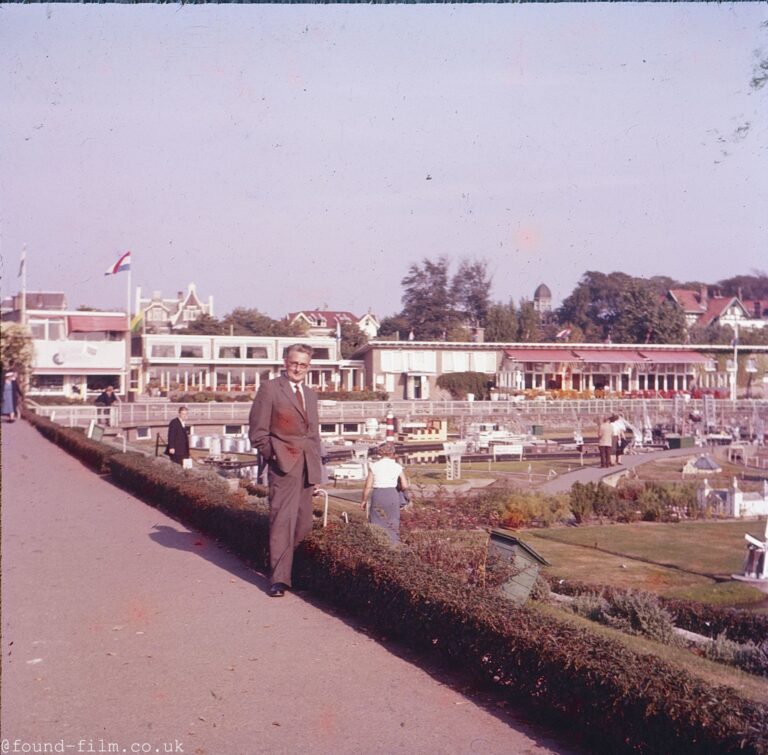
(426, 361)
(201, 351)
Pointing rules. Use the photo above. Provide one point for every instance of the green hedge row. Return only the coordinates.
(618, 699)
(706, 620)
(93, 453)
(621, 699)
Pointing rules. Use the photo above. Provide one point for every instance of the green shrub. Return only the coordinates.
(706, 620)
(462, 554)
(522, 509)
(590, 605)
(580, 501)
(751, 657)
(641, 613)
(459, 384)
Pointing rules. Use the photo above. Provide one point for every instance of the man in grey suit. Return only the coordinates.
(284, 428)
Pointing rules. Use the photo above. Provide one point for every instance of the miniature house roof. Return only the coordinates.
(705, 463)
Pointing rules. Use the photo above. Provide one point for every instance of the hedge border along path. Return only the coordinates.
(619, 699)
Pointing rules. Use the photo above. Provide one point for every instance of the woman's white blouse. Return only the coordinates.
(385, 473)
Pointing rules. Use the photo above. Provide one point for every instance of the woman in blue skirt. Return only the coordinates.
(383, 476)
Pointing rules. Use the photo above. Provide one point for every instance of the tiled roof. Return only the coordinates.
(716, 305)
(330, 316)
(690, 301)
(757, 308)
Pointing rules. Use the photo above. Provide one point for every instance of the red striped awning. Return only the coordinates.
(96, 323)
(610, 356)
(676, 357)
(541, 355)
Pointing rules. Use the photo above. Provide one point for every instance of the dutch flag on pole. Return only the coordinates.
(124, 263)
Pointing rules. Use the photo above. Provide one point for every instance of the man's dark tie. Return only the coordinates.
(300, 396)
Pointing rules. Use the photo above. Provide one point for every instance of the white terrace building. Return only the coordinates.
(76, 353)
(238, 363)
(410, 369)
(589, 368)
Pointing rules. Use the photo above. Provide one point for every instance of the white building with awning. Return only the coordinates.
(586, 368)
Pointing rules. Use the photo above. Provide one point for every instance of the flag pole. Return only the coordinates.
(127, 386)
(24, 285)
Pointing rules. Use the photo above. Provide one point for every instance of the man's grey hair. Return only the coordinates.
(300, 347)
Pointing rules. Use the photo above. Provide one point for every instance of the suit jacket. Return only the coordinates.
(178, 439)
(283, 432)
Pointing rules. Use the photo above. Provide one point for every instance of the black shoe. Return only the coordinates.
(277, 590)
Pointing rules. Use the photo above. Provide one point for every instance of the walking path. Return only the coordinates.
(120, 626)
(594, 473)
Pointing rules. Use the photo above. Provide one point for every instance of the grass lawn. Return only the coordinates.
(670, 470)
(683, 560)
(434, 474)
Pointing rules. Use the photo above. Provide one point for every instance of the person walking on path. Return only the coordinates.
(383, 477)
(605, 442)
(12, 395)
(104, 401)
(619, 436)
(284, 428)
(178, 437)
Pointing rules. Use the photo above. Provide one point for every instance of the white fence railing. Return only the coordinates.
(138, 415)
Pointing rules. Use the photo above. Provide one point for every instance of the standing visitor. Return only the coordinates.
(605, 442)
(178, 437)
(12, 395)
(619, 436)
(104, 401)
(284, 428)
(383, 478)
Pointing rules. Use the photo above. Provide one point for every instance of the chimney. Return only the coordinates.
(703, 297)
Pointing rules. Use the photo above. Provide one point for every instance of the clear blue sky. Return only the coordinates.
(288, 157)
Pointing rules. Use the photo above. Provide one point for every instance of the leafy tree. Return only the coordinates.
(205, 325)
(595, 304)
(242, 321)
(352, 338)
(394, 325)
(501, 322)
(17, 350)
(470, 291)
(427, 301)
(623, 309)
(714, 333)
(662, 283)
(753, 286)
(644, 317)
(528, 323)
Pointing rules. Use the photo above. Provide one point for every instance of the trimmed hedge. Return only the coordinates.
(93, 453)
(708, 621)
(621, 699)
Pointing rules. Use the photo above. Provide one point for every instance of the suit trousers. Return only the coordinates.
(290, 519)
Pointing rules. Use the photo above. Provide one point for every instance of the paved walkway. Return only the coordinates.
(122, 626)
(594, 473)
